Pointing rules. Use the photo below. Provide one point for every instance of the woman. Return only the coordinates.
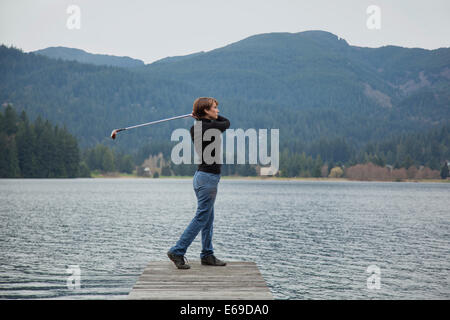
(206, 179)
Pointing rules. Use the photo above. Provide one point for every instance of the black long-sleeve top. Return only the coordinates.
(220, 123)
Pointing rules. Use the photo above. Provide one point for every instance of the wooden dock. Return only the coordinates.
(235, 281)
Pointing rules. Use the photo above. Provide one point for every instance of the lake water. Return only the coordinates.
(310, 240)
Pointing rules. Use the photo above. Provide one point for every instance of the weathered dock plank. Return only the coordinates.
(235, 281)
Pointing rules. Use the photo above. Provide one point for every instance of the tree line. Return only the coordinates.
(429, 150)
(41, 150)
(36, 149)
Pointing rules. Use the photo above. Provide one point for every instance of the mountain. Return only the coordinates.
(82, 56)
(319, 85)
(316, 69)
(178, 58)
(311, 85)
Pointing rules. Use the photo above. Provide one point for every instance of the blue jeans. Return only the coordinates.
(205, 187)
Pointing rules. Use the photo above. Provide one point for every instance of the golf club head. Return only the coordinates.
(115, 132)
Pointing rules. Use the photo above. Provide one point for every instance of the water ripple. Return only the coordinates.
(311, 240)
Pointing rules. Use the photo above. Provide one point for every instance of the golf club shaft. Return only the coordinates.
(115, 131)
(158, 121)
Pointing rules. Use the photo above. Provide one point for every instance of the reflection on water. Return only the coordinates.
(311, 240)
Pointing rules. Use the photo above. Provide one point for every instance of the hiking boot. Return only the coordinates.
(178, 260)
(211, 260)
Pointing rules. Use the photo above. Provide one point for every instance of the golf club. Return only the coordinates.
(116, 131)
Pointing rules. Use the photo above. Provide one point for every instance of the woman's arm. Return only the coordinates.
(221, 123)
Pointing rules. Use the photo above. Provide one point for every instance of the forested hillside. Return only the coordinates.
(41, 150)
(322, 94)
(90, 100)
(36, 149)
(82, 56)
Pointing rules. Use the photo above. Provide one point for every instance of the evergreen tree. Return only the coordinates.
(9, 164)
(316, 172)
(126, 164)
(84, 171)
(10, 120)
(26, 142)
(71, 154)
(45, 153)
(107, 164)
(35, 151)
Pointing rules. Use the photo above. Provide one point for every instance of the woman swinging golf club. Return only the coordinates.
(205, 182)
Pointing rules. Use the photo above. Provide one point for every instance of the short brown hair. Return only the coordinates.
(201, 104)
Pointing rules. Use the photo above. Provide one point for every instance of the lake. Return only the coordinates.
(310, 240)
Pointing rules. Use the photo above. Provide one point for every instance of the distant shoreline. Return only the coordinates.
(262, 178)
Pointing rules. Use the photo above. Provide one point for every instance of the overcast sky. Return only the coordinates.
(154, 29)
